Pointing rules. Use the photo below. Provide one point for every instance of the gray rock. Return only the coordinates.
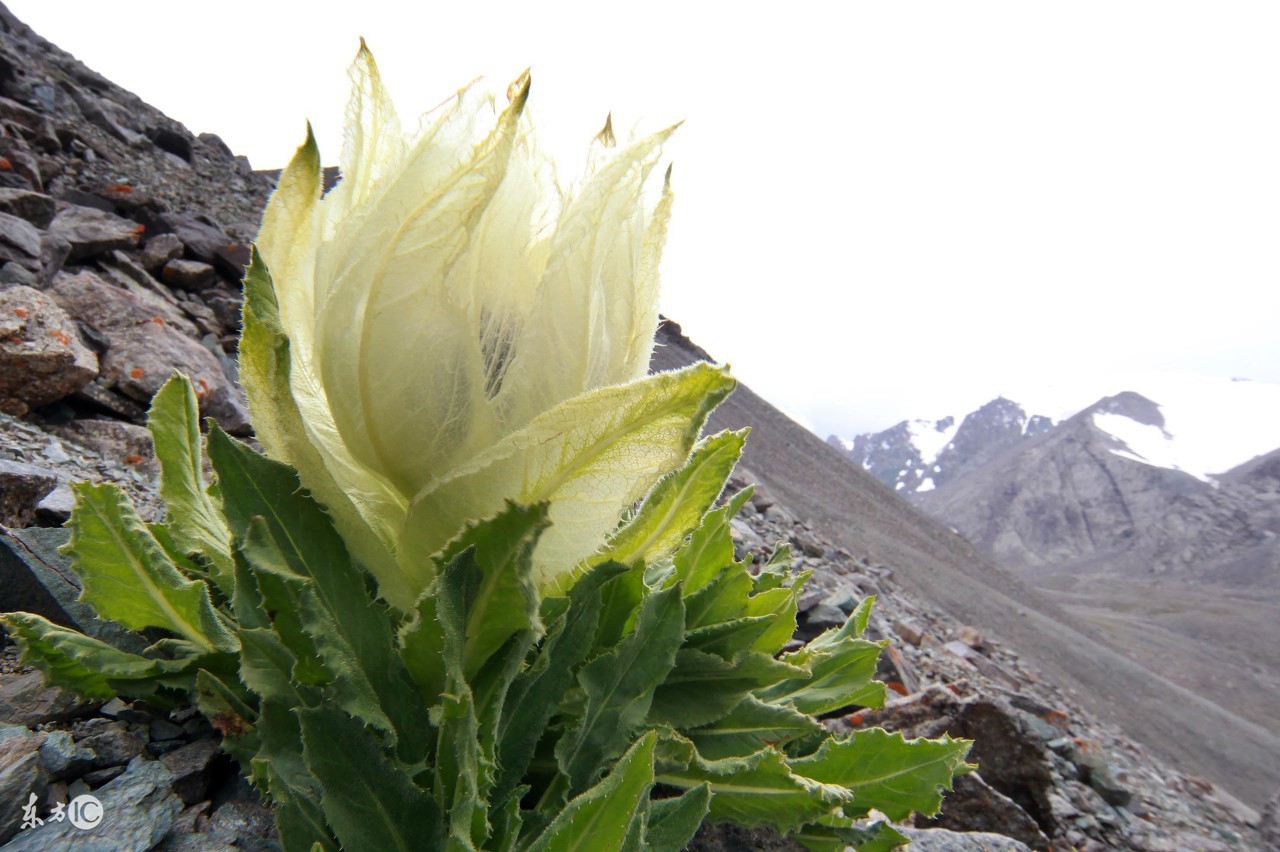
(36, 578)
(159, 250)
(226, 306)
(941, 840)
(22, 487)
(845, 600)
(114, 746)
(123, 443)
(200, 234)
(105, 397)
(14, 273)
(188, 274)
(41, 357)
(175, 142)
(20, 778)
(25, 700)
(93, 232)
(193, 767)
(163, 729)
(62, 757)
(232, 260)
(54, 251)
(98, 777)
(138, 810)
(35, 207)
(807, 542)
(19, 240)
(911, 630)
(974, 806)
(237, 824)
(744, 536)
(1095, 770)
(143, 353)
(824, 615)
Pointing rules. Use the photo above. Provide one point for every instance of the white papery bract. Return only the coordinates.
(460, 331)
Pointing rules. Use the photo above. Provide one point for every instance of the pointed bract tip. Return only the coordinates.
(606, 137)
(518, 91)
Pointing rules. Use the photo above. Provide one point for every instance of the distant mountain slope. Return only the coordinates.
(1092, 495)
(860, 513)
(917, 456)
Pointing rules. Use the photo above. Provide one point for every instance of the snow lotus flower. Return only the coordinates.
(447, 330)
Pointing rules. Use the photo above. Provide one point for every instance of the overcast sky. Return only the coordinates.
(884, 210)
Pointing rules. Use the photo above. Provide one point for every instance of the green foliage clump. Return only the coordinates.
(650, 693)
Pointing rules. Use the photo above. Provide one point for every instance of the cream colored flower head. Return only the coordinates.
(442, 305)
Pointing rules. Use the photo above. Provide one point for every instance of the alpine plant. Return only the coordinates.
(479, 592)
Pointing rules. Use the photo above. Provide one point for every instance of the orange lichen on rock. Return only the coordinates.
(136, 373)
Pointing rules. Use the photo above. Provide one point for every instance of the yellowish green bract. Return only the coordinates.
(419, 619)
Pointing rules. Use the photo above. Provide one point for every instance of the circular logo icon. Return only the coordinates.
(85, 812)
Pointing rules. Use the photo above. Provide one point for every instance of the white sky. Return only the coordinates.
(884, 210)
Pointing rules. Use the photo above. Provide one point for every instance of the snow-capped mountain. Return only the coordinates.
(1202, 426)
(1132, 484)
(917, 456)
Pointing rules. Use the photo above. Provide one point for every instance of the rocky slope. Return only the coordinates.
(124, 237)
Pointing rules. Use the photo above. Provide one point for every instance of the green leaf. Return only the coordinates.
(280, 751)
(323, 651)
(619, 687)
(709, 550)
(267, 666)
(91, 667)
(703, 687)
(299, 820)
(729, 614)
(280, 598)
(368, 799)
(127, 576)
(842, 675)
(590, 457)
(501, 598)
(195, 522)
(537, 692)
(881, 770)
(674, 822)
(749, 727)
(422, 647)
(603, 816)
(759, 789)
(675, 507)
(230, 714)
(339, 612)
(462, 772)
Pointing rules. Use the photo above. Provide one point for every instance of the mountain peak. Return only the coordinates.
(1132, 405)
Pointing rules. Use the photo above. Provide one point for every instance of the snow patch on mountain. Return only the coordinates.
(930, 437)
(1211, 425)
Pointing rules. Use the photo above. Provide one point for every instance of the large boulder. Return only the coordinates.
(93, 232)
(144, 348)
(41, 356)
